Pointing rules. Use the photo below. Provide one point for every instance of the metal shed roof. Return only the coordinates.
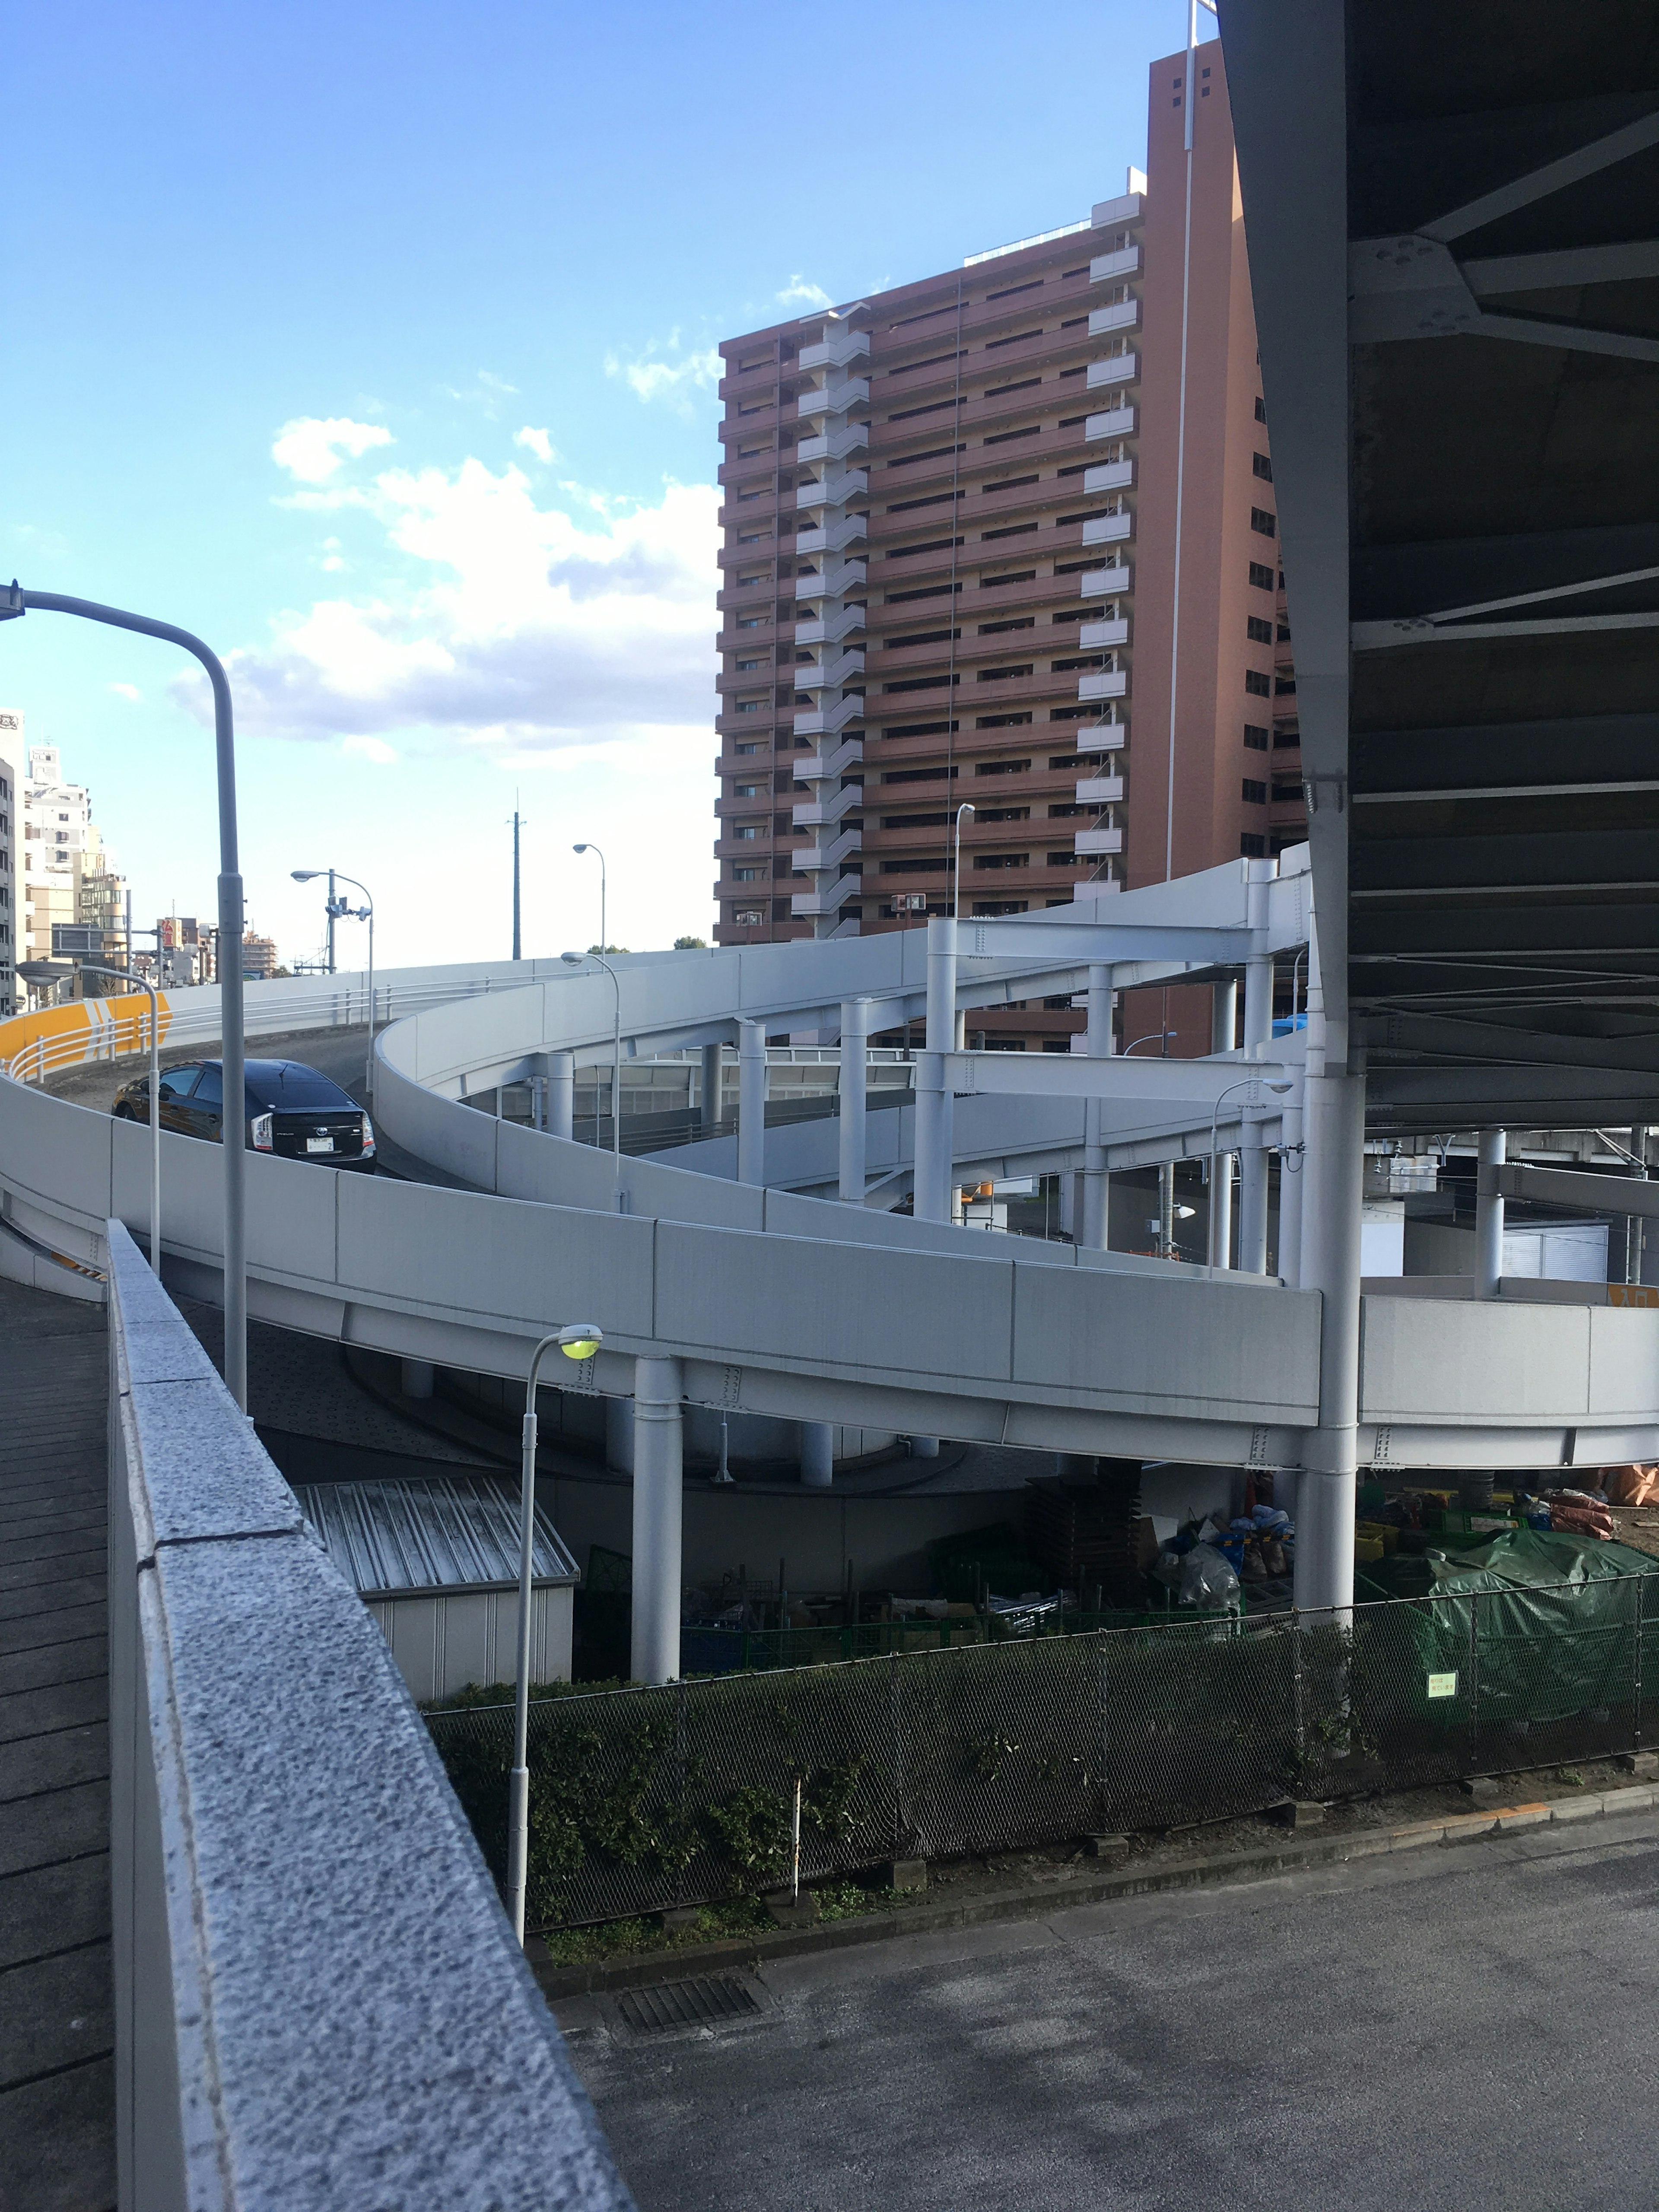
(455, 1532)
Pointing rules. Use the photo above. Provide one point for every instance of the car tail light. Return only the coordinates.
(260, 1127)
(368, 1134)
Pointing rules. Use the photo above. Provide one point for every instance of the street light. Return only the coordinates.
(1152, 1037)
(361, 913)
(1244, 1084)
(966, 807)
(14, 602)
(575, 960)
(580, 1341)
(604, 941)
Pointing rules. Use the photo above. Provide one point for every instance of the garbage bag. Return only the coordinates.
(1207, 1579)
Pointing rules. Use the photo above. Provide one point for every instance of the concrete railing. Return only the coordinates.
(318, 1999)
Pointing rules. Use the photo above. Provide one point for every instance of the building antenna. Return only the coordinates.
(518, 824)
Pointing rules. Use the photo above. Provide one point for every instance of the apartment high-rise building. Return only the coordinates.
(950, 574)
(69, 877)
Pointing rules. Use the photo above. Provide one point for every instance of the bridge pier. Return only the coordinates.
(817, 1454)
(1489, 1214)
(1333, 1165)
(854, 1081)
(654, 1655)
(931, 1178)
(1224, 1019)
(751, 1102)
(708, 1111)
(1252, 1159)
(1096, 1179)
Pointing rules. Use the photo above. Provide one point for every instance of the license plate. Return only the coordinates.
(320, 1144)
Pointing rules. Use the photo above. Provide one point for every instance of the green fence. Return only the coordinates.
(645, 1798)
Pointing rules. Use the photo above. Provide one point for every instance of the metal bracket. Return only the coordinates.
(1336, 776)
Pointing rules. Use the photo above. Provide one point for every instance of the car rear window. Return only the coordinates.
(296, 1086)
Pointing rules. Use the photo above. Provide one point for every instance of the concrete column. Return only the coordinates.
(751, 1102)
(1252, 1160)
(1290, 1195)
(1166, 1210)
(931, 1201)
(924, 1447)
(658, 1501)
(709, 1110)
(1096, 1183)
(418, 1377)
(619, 1435)
(1224, 1015)
(1334, 1168)
(817, 1454)
(562, 1093)
(855, 1080)
(1636, 1229)
(1489, 1214)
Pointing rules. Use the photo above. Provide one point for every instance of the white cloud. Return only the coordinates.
(520, 630)
(370, 748)
(312, 447)
(672, 381)
(534, 442)
(124, 690)
(333, 559)
(797, 292)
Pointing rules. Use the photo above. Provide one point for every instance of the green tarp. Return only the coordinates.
(1533, 1626)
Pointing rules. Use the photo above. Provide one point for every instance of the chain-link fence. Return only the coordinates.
(645, 1798)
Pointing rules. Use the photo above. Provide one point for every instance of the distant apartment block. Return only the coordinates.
(10, 834)
(69, 878)
(949, 570)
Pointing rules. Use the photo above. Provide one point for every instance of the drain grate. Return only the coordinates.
(701, 2003)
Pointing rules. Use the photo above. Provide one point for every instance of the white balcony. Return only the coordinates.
(834, 488)
(1119, 369)
(829, 629)
(834, 397)
(1121, 315)
(834, 582)
(1109, 476)
(1100, 791)
(1115, 423)
(833, 445)
(834, 352)
(821, 767)
(1125, 208)
(1098, 841)
(830, 806)
(821, 675)
(831, 538)
(1101, 737)
(1104, 583)
(828, 899)
(1101, 636)
(1126, 262)
(1104, 683)
(829, 721)
(1109, 529)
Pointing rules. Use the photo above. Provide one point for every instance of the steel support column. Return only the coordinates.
(751, 1102)
(709, 1111)
(854, 1078)
(658, 1497)
(1489, 1214)
(1096, 1182)
(932, 1179)
(1334, 1166)
(1252, 1159)
(817, 1454)
(1223, 1020)
(560, 1095)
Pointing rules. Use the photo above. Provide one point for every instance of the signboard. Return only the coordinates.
(69, 939)
(1442, 1685)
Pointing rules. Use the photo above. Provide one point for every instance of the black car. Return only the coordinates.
(291, 1109)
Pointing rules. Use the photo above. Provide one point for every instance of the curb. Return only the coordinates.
(1027, 1902)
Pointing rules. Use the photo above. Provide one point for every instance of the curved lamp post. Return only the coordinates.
(14, 602)
(966, 807)
(362, 913)
(575, 960)
(580, 1341)
(1215, 1116)
(604, 942)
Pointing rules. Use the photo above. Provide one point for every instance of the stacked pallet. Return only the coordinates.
(1083, 1525)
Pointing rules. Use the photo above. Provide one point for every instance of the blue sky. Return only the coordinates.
(373, 344)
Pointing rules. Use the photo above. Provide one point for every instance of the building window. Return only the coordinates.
(1267, 525)
(1262, 576)
(1256, 682)
(746, 829)
(1258, 631)
(1252, 846)
(1256, 794)
(1262, 467)
(748, 875)
(1255, 738)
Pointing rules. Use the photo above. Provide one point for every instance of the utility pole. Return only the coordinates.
(518, 951)
(331, 922)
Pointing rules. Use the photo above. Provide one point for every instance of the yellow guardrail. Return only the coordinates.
(35, 1046)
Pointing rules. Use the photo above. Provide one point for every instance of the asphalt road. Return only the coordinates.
(1466, 2026)
(339, 1053)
